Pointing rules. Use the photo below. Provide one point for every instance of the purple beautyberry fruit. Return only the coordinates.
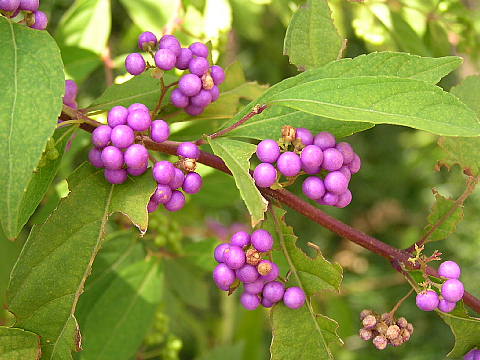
(218, 252)
(112, 158)
(344, 199)
(346, 172)
(254, 287)
(215, 93)
(347, 152)
(268, 151)
(274, 272)
(179, 99)
(101, 136)
(137, 106)
(324, 140)
(223, 276)
(160, 131)
(183, 59)
(328, 199)
(41, 20)
(240, 238)
(152, 206)
(118, 176)
(165, 59)
(332, 159)
(218, 74)
(265, 175)
(178, 179)
(450, 270)
(234, 257)
(202, 99)
(193, 183)
(137, 172)
(427, 300)
(294, 297)
(336, 183)
(262, 240)
(355, 165)
(446, 306)
(188, 150)
(247, 273)
(71, 91)
(9, 5)
(117, 116)
(95, 157)
(273, 291)
(139, 120)
(311, 159)
(313, 188)
(267, 303)
(190, 84)
(472, 355)
(135, 64)
(193, 110)
(199, 49)
(452, 290)
(147, 40)
(171, 43)
(249, 301)
(305, 136)
(136, 156)
(163, 172)
(289, 164)
(176, 202)
(162, 194)
(198, 66)
(122, 136)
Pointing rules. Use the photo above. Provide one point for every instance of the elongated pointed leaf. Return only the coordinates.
(16, 344)
(31, 74)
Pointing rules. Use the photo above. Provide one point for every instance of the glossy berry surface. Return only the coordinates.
(41, 20)
(199, 49)
(289, 164)
(171, 43)
(177, 180)
(162, 194)
(188, 150)
(163, 172)
(268, 151)
(347, 152)
(427, 300)
(332, 159)
(249, 301)
(135, 64)
(240, 238)
(147, 40)
(139, 120)
(218, 252)
(112, 158)
(234, 257)
(176, 202)
(329, 199)
(183, 59)
(223, 276)
(9, 5)
(116, 176)
(179, 99)
(122, 136)
(273, 291)
(190, 84)
(305, 136)
(294, 297)
(198, 66)
(165, 59)
(311, 158)
(247, 273)
(160, 131)
(446, 306)
(355, 165)
(265, 175)
(262, 240)
(450, 270)
(254, 287)
(117, 116)
(192, 183)
(217, 74)
(313, 188)
(344, 199)
(202, 99)
(324, 140)
(95, 157)
(101, 136)
(336, 183)
(452, 290)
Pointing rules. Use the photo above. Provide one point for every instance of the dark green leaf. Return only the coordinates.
(441, 207)
(79, 63)
(151, 15)
(230, 352)
(406, 38)
(17, 344)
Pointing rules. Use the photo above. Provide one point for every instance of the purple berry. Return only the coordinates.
(234, 257)
(137, 106)
(289, 164)
(171, 43)
(344, 199)
(198, 66)
(147, 40)
(112, 158)
(452, 290)
(294, 297)
(215, 92)
(324, 140)
(355, 165)
(254, 287)
(273, 274)
(199, 49)
(41, 20)
(95, 157)
(71, 91)
(247, 273)
(332, 159)
(346, 172)
(165, 59)
(311, 158)
(178, 179)
(190, 84)
(427, 300)
(162, 194)
(122, 136)
(335, 182)
(193, 183)
(135, 64)
(267, 303)
(273, 291)
(176, 202)
(217, 74)
(265, 175)
(117, 116)
(313, 187)
(163, 172)
(118, 176)
(152, 206)
(178, 99)
(241, 238)
(328, 199)
(472, 355)
(137, 172)
(218, 252)
(268, 151)
(183, 59)
(101, 136)
(136, 156)
(262, 240)
(188, 150)
(305, 136)
(223, 276)
(347, 152)
(139, 120)
(446, 306)
(9, 5)
(160, 131)
(202, 99)
(249, 301)
(449, 270)
(193, 110)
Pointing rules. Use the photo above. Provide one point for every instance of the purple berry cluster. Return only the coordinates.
(330, 165)
(117, 150)
(241, 261)
(34, 18)
(473, 354)
(196, 89)
(71, 92)
(384, 329)
(451, 290)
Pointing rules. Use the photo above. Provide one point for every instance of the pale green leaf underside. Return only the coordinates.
(17, 344)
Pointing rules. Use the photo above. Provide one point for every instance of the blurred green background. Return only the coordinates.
(392, 193)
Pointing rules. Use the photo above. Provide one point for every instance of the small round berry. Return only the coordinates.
(366, 334)
(355, 165)
(112, 158)
(202, 99)
(265, 175)
(393, 331)
(427, 300)
(41, 20)
(324, 140)
(101, 136)
(95, 157)
(274, 270)
(218, 74)
(223, 276)
(402, 323)
(311, 158)
(199, 49)
(369, 322)
(147, 40)
(332, 159)
(135, 64)
(313, 188)
(138, 106)
(365, 313)
(215, 93)
(163, 172)
(193, 183)
(71, 91)
(165, 59)
(267, 303)
(289, 164)
(346, 172)
(183, 59)
(472, 355)
(9, 5)
(136, 156)
(193, 110)
(116, 176)
(139, 120)
(240, 238)
(273, 291)
(336, 182)
(218, 252)
(162, 194)
(254, 287)
(450, 270)
(117, 116)
(380, 342)
(452, 290)
(344, 199)
(294, 297)
(347, 152)
(262, 240)
(247, 273)
(160, 131)
(137, 172)
(176, 202)
(268, 151)
(152, 206)
(328, 199)
(190, 84)
(234, 257)
(178, 99)
(253, 257)
(250, 301)
(305, 136)
(122, 136)
(178, 179)
(446, 306)
(198, 66)
(171, 43)
(188, 150)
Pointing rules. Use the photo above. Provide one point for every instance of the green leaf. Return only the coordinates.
(222, 352)
(116, 323)
(86, 25)
(152, 15)
(436, 38)
(79, 63)
(383, 100)
(16, 344)
(31, 74)
(44, 288)
(406, 38)
(441, 207)
(312, 39)
(236, 155)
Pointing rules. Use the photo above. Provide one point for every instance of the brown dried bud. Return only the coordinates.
(369, 322)
(410, 328)
(387, 318)
(365, 313)
(264, 268)
(392, 332)
(382, 328)
(207, 81)
(253, 257)
(380, 342)
(397, 341)
(405, 334)
(402, 323)
(366, 334)
(289, 133)
(189, 165)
